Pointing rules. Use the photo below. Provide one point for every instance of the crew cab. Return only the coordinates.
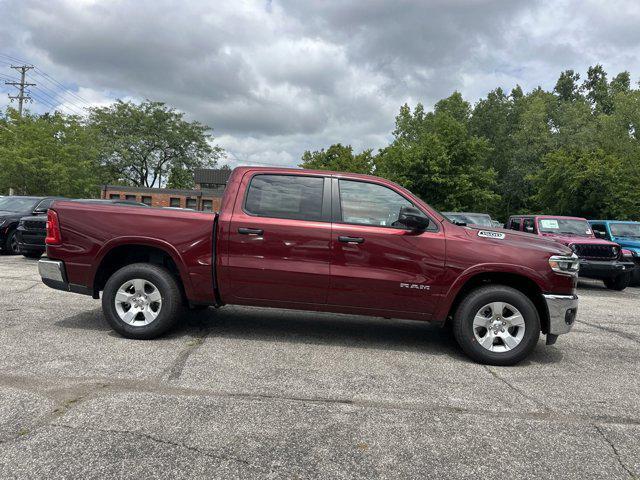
(600, 259)
(624, 233)
(319, 241)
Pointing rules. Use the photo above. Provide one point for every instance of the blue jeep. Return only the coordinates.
(626, 234)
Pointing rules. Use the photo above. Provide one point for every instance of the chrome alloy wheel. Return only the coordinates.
(138, 302)
(498, 327)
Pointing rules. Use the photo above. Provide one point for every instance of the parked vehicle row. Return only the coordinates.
(599, 258)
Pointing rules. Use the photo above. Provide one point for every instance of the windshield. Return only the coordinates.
(17, 204)
(625, 229)
(481, 219)
(563, 226)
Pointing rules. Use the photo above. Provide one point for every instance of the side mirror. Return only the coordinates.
(40, 212)
(528, 229)
(413, 218)
(600, 234)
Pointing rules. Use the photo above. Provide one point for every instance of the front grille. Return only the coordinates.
(34, 225)
(595, 252)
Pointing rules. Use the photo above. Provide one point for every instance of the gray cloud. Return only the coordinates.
(276, 78)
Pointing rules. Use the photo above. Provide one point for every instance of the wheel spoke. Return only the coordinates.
(130, 315)
(155, 296)
(480, 321)
(516, 320)
(487, 341)
(123, 297)
(509, 341)
(497, 308)
(149, 315)
(138, 285)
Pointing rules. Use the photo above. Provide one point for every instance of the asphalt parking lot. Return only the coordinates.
(254, 393)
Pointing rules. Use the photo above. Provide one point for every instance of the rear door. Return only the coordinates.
(279, 239)
(378, 264)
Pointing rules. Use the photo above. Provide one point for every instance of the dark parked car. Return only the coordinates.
(12, 209)
(32, 230)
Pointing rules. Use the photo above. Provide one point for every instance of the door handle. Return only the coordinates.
(250, 231)
(351, 239)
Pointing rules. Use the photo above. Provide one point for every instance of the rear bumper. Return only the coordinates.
(27, 241)
(54, 275)
(601, 270)
(563, 310)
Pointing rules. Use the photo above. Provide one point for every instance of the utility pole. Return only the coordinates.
(21, 97)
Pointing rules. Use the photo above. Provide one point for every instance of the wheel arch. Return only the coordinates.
(116, 255)
(520, 282)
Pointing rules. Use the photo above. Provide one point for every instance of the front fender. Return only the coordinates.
(485, 268)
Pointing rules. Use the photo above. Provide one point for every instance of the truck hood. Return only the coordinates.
(572, 239)
(519, 239)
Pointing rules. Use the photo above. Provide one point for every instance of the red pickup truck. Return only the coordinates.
(321, 241)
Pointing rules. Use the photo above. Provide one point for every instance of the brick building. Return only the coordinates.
(210, 185)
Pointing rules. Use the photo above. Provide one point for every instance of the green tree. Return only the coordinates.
(434, 155)
(597, 89)
(50, 154)
(567, 87)
(338, 158)
(142, 144)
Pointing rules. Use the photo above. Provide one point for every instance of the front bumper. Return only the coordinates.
(54, 275)
(602, 269)
(563, 310)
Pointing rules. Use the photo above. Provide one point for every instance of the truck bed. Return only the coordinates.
(91, 231)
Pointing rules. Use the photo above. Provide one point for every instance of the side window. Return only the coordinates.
(44, 205)
(529, 225)
(285, 196)
(599, 230)
(515, 224)
(365, 203)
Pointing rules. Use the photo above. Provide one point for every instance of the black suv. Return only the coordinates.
(12, 209)
(32, 231)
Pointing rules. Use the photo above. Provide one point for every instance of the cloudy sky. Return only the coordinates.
(274, 78)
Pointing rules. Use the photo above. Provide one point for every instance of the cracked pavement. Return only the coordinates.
(255, 393)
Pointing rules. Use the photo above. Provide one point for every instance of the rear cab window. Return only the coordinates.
(296, 197)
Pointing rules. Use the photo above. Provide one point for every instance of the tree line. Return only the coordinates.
(574, 150)
(138, 144)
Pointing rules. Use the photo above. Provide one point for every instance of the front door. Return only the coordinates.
(379, 264)
(279, 240)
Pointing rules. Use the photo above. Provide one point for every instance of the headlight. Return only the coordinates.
(565, 264)
(615, 250)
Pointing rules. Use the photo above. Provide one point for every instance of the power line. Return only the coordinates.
(73, 98)
(21, 97)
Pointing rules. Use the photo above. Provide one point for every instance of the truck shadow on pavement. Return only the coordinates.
(313, 328)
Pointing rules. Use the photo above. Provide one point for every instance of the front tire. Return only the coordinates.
(141, 301)
(618, 283)
(496, 325)
(11, 244)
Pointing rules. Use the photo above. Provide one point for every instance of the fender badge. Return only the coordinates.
(490, 234)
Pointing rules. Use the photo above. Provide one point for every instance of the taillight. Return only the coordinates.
(53, 229)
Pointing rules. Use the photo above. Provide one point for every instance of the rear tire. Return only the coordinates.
(31, 254)
(124, 295)
(618, 283)
(476, 308)
(11, 244)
